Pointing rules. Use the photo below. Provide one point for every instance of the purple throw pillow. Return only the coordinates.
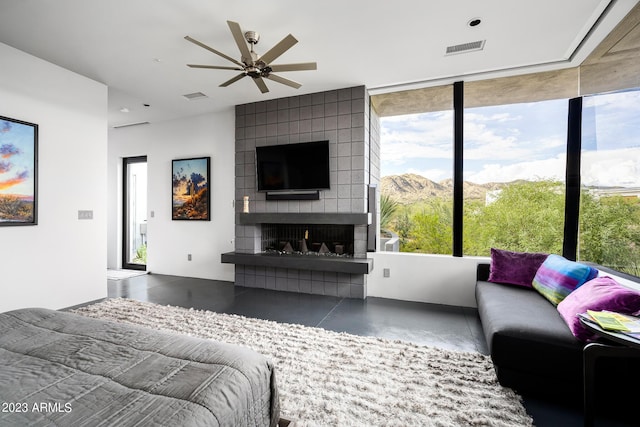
(601, 293)
(514, 268)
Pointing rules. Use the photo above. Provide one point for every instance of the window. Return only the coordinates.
(514, 170)
(514, 173)
(609, 231)
(417, 181)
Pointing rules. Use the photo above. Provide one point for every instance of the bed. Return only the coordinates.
(59, 368)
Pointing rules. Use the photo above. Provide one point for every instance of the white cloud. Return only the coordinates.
(598, 168)
(611, 168)
(417, 136)
(401, 152)
(497, 117)
(487, 136)
(532, 170)
(524, 142)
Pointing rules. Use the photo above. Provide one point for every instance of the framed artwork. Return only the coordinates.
(18, 172)
(190, 194)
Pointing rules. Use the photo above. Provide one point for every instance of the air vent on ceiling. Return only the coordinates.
(130, 124)
(465, 47)
(195, 95)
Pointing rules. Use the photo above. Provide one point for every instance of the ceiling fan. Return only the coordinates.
(258, 67)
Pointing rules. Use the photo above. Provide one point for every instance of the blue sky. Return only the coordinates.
(519, 141)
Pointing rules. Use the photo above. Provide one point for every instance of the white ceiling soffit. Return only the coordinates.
(604, 16)
(137, 48)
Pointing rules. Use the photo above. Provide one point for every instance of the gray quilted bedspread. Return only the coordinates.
(62, 369)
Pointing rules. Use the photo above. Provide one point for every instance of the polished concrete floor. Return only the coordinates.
(454, 328)
(441, 326)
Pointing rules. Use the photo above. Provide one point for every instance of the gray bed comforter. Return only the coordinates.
(63, 369)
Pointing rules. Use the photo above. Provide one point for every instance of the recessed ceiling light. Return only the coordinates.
(124, 110)
(157, 60)
(474, 22)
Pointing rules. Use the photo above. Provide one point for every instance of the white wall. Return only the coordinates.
(61, 261)
(169, 241)
(438, 279)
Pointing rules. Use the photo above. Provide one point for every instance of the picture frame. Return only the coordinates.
(18, 172)
(190, 195)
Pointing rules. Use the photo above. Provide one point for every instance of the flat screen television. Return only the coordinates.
(293, 167)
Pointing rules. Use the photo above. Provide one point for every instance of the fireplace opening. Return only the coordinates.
(313, 240)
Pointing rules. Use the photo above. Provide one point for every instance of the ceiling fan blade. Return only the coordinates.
(210, 49)
(284, 81)
(294, 67)
(233, 80)
(261, 85)
(284, 45)
(215, 67)
(240, 41)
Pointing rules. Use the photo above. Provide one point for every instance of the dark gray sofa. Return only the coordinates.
(532, 348)
(534, 352)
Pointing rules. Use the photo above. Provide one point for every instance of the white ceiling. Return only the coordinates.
(137, 47)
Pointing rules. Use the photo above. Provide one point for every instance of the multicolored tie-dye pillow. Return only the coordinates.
(557, 277)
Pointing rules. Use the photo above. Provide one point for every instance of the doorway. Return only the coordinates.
(134, 222)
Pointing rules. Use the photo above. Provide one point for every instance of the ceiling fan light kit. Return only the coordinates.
(258, 67)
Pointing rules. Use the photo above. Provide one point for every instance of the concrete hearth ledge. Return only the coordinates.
(302, 262)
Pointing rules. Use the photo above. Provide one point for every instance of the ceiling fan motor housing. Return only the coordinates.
(252, 37)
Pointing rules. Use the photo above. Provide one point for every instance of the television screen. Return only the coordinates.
(303, 166)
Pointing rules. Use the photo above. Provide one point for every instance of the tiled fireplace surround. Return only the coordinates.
(343, 118)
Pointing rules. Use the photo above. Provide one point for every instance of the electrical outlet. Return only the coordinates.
(85, 214)
(386, 272)
(188, 257)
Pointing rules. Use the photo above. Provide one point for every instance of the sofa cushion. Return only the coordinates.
(516, 268)
(557, 277)
(601, 293)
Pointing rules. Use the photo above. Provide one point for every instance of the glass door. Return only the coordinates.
(134, 239)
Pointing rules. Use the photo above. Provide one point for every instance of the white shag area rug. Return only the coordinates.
(337, 379)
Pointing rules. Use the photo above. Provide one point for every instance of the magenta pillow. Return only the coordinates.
(514, 268)
(601, 293)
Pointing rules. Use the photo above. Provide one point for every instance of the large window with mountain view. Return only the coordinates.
(514, 174)
(417, 187)
(609, 232)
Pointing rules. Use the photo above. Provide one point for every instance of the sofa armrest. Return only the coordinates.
(482, 273)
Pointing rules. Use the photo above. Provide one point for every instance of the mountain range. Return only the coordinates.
(409, 188)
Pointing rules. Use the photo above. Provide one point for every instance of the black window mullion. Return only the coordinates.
(458, 197)
(572, 196)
